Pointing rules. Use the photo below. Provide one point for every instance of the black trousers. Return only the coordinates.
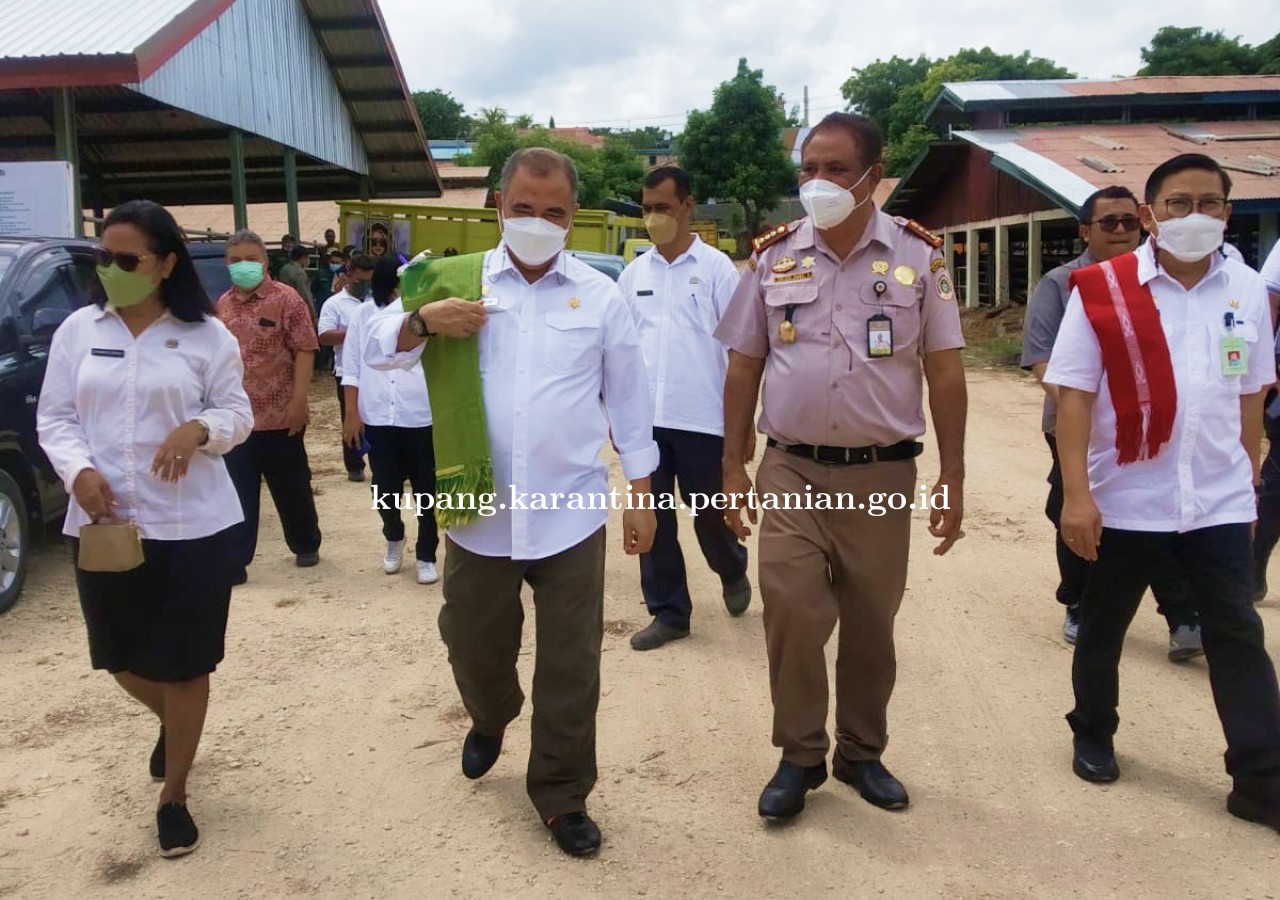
(352, 461)
(1268, 532)
(693, 459)
(1169, 586)
(1217, 562)
(397, 455)
(282, 461)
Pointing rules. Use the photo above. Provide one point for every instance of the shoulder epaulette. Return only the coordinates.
(933, 240)
(769, 238)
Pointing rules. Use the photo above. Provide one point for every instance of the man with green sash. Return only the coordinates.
(532, 360)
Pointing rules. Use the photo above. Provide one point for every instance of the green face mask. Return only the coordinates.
(246, 274)
(123, 288)
(358, 289)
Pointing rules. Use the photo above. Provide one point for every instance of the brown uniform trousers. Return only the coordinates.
(818, 567)
(481, 623)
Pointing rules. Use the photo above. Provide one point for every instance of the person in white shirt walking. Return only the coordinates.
(391, 409)
(677, 293)
(561, 366)
(142, 396)
(335, 318)
(1162, 363)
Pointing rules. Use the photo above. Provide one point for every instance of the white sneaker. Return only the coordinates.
(394, 559)
(427, 573)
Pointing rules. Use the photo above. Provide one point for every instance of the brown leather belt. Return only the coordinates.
(853, 456)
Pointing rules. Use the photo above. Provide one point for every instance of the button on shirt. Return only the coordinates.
(1045, 310)
(335, 315)
(110, 400)
(677, 306)
(561, 365)
(395, 397)
(1202, 476)
(273, 325)
(825, 388)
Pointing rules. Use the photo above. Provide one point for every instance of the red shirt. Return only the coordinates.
(273, 325)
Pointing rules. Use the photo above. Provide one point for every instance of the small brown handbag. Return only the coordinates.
(110, 547)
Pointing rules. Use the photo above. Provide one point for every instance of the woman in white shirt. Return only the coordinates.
(391, 410)
(142, 396)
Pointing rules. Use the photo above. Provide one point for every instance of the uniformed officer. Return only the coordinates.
(840, 310)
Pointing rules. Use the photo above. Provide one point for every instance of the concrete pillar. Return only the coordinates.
(66, 142)
(949, 252)
(971, 257)
(1034, 254)
(291, 192)
(1000, 289)
(239, 191)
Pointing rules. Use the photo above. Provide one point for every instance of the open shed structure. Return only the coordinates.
(212, 101)
(1006, 187)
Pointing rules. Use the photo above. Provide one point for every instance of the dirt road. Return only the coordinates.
(330, 763)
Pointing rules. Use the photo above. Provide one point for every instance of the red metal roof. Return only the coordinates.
(1172, 84)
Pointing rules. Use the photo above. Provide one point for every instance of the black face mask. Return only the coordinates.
(358, 289)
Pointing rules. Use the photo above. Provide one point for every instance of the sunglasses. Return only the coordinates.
(128, 262)
(377, 243)
(1110, 223)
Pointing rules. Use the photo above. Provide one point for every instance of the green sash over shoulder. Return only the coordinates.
(464, 470)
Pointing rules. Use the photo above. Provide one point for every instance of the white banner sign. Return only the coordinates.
(36, 199)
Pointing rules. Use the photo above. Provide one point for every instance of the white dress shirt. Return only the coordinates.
(1271, 269)
(395, 397)
(1202, 476)
(561, 365)
(335, 315)
(110, 400)
(677, 306)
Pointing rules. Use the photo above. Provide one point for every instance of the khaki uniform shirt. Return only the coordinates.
(825, 387)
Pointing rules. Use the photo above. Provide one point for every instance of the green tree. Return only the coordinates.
(523, 121)
(490, 116)
(552, 124)
(1267, 57)
(443, 117)
(897, 92)
(613, 172)
(733, 151)
(1194, 51)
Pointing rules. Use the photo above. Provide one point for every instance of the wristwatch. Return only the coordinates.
(418, 326)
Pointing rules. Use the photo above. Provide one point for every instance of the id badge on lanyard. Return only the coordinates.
(1232, 349)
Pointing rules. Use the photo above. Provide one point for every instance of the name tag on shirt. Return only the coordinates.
(114, 354)
(1235, 355)
(266, 323)
(644, 293)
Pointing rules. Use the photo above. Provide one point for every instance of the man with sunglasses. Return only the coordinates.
(1162, 363)
(1109, 227)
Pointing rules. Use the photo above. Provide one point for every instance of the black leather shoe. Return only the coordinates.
(575, 833)
(1095, 761)
(873, 781)
(783, 796)
(307, 560)
(479, 753)
(1253, 809)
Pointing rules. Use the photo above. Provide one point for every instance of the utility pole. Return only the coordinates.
(806, 106)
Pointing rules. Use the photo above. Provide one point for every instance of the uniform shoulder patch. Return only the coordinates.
(769, 238)
(933, 240)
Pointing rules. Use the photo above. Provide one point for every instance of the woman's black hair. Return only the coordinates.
(182, 293)
(386, 278)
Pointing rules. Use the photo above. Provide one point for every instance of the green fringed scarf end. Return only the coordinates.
(462, 491)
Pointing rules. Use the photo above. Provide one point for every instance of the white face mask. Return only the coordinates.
(534, 241)
(1191, 238)
(827, 204)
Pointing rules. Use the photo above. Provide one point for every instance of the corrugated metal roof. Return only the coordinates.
(1052, 158)
(82, 27)
(995, 91)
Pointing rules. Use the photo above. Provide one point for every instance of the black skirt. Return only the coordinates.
(165, 620)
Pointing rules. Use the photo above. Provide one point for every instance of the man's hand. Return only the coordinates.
(93, 494)
(1081, 525)
(945, 523)
(638, 528)
(738, 487)
(453, 317)
(352, 430)
(174, 456)
(297, 415)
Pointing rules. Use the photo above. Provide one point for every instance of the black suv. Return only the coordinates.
(42, 281)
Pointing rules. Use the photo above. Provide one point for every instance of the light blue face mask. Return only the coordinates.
(246, 274)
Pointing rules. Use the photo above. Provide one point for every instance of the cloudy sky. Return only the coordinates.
(649, 62)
